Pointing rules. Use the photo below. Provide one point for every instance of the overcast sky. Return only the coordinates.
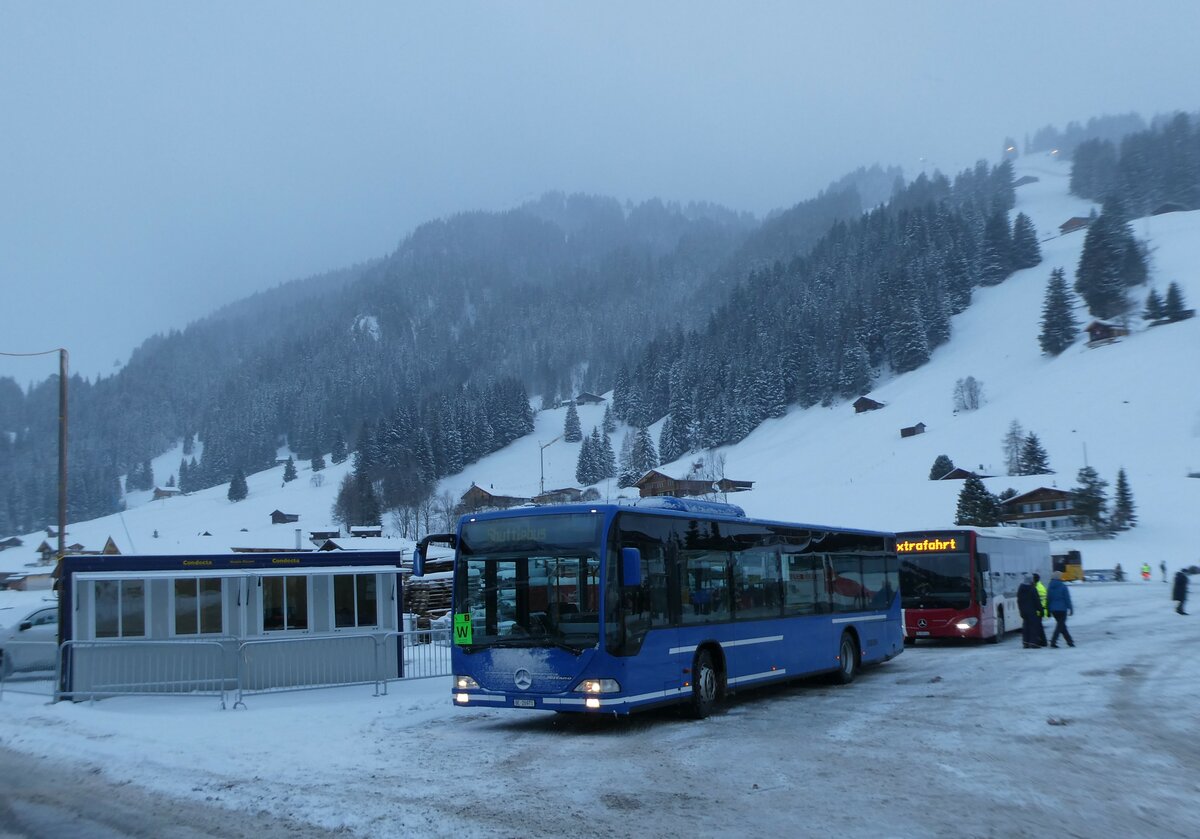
(160, 159)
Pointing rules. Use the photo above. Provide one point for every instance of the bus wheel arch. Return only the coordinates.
(849, 657)
(708, 680)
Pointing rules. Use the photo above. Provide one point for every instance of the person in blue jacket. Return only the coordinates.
(1058, 601)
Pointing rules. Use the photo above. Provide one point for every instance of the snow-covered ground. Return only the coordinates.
(1099, 740)
(944, 741)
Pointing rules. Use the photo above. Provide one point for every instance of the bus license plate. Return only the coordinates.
(524, 703)
(922, 633)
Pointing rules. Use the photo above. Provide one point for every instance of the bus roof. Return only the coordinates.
(608, 509)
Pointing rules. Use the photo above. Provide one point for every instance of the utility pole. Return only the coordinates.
(62, 452)
(542, 460)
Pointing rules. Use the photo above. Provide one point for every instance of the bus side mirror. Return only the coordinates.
(25, 625)
(631, 567)
(422, 546)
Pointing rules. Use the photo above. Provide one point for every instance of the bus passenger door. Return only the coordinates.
(808, 636)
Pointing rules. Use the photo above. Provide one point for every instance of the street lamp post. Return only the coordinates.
(542, 461)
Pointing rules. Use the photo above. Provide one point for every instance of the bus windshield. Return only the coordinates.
(531, 601)
(935, 581)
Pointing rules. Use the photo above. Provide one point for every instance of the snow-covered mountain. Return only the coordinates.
(1133, 404)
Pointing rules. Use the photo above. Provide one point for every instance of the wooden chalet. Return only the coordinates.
(280, 517)
(1045, 508)
(368, 531)
(913, 430)
(566, 495)
(1104, 332)
(1025, 179)
(320, 536)
(655, 483)
(587, 398)
(730, 485)
(166, 492)
(46, 552)
(10, 542)
(865, 403)
(477, 498)
(1074, 223)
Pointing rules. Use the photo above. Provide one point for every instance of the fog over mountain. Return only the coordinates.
(161, 160)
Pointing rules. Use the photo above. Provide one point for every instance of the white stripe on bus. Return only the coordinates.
(766, 639)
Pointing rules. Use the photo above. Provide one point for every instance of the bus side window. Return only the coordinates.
(804, 585)
(847, 584)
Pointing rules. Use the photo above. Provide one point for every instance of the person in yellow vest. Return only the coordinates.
(1146, 572)
(1041, 590)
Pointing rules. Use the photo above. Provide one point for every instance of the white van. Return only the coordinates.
(31, 643)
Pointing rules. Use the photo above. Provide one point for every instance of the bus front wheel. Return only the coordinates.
(706, 685)
(999, 636)
(847, 660)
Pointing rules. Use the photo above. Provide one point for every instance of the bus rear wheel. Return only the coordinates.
(847, 660)
(707, 687)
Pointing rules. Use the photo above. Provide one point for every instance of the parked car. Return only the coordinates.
(31, 643)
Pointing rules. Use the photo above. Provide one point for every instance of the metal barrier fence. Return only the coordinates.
(40, 683)
(424, 653)
(97, 669)
(273, 665)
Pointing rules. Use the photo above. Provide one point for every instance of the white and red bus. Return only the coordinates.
(962, 583)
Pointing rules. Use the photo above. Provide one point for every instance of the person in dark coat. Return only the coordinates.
(1043, 612)
(1030, 607)
(1179, 594)
(1058, 600)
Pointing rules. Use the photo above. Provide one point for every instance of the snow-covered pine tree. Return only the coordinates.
(1059, 327)
(668, 441)
(1034, 459)
(907, 344)
(1174, 308)
(606, 460)
(339, 452)
(997, 261)
(318, 462)
(572, 432)
(643, 458)
(976, 506)
(855, 374)
(942, 465)
(289, 470)
(1014, 441)
(1155, 310)
(1025, 250)
(626, 476)
(1111, 261)
(1089, 501)
(185, 481)
(1124, 514)
(237, 486)
(585, 467)
(610, 423)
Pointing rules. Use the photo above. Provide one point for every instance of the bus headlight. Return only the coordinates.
(598, 686)
(465, 683)
(966, 623)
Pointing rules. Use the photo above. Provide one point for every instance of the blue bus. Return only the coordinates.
(618, 608)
